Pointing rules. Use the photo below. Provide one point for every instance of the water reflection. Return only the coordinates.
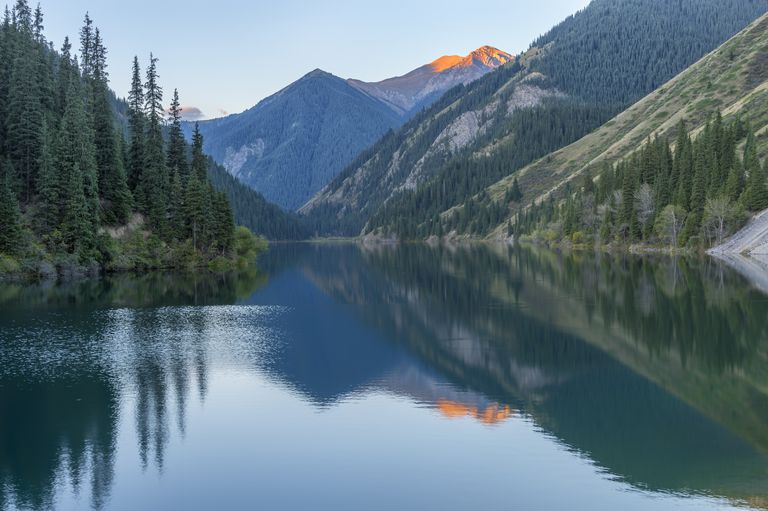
(651, 368)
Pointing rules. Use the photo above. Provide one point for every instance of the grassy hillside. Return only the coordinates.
(572, 80)
(733, 79)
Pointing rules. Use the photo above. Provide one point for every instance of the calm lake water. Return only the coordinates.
(346, 378)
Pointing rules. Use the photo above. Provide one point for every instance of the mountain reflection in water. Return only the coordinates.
(652, 369)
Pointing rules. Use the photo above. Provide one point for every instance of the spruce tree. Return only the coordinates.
(75, 162)
(87, 46)
(177, 159)
(195, 211)
(113, 183)
(698, 195)
(199, 160)
(154, 182)
(755, 197)
(25, 121)
(11, 231)
(136, 126)
(224, 223)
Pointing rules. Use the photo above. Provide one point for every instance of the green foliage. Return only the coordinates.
(592, 66)
(11, 230)
(706, 172)
(247, 246)
(66, 170)
(299, 147)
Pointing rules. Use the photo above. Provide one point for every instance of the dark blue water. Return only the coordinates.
(342, 377)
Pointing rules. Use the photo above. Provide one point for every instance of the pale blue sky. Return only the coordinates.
(226, 55)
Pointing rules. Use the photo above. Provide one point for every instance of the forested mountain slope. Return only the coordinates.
(571, 81)
(289, 145)
(293, 143)
(731, 81)
(253, 211)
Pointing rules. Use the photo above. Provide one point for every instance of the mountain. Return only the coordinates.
(253, 211)
(732, 80)
(571, 81)
(409, 93)
(289, 145)
(293, 143)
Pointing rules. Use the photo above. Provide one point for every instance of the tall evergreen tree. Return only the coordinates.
(87, 46)
(76, 163)
(25, 120)
(10, 216)
(136, 126)
(113, 183)
(177, 158)
(199, 160)
(154, 182)
(755, 197)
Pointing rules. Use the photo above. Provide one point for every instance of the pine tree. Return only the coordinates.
(176, 216)
(87, 46)
(25, 121)
(37, 25)
(177, 159)
(194, 211)
(11, 231)
(154, 182)
(755, 197)
(698, 194)
(734, 185)
(23, 16)
(516, 194)
(76, 164)
(112, 178)
(48, 210)
(224, 223)
(136, 125)
(199, 160)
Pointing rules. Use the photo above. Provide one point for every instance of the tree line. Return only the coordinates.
(70, 175)
(692, 193)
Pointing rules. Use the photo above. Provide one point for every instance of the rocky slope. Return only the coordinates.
(417, 89)
(733, 80)
(570, 82)
(293, 143)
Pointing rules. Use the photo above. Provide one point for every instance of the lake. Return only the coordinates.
(346, 377)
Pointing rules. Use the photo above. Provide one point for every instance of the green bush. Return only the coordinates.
(9, 265)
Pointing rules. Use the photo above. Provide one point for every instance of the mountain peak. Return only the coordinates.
(485, 56)
(490, 56)
(317, 73)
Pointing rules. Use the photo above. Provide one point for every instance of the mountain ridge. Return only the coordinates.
(570, 82)
(407, 92)
(292, 143)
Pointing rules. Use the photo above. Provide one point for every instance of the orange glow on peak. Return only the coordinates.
(444, 63)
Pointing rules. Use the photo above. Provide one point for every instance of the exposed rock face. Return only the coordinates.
(235, 159)
(292, 144)
(407, 93)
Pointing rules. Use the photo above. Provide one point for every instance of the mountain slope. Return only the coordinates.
(289, 145)
(570, 82)
(253, 211)
(293, 143)
(733, 80)
(408, 93)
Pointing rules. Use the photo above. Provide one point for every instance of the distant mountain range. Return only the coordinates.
(292, 144)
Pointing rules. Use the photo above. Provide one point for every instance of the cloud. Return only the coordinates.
(192, 113)
(222, 112)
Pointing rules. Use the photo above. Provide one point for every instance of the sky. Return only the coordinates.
(224, 56)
